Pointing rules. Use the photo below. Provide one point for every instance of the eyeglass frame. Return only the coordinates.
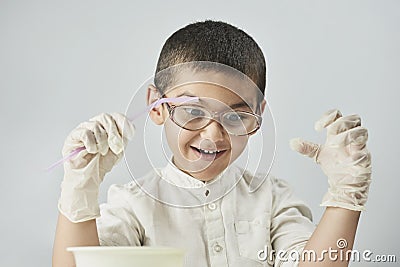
(215, 115)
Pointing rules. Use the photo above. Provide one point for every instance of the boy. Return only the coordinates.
(205, 137)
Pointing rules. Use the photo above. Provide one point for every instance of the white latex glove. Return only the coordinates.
(104, 137)
(344, 159)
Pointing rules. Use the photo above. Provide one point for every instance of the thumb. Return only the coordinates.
(304, 147)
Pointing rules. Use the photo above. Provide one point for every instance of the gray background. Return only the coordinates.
(62, 62)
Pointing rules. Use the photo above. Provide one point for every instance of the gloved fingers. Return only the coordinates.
(360, 158)
(114, 137)
(125, 127)
(100, 135)
(349, 176)
(304, 147)
(357, 136)
(80, 137)
(343, 124)
(327, 118)
(109, 161)
(81, 160)
(353, 148)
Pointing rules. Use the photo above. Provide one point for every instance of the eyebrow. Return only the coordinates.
(236, 105)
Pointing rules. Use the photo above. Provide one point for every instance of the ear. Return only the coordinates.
(263, 104)
(157, 114)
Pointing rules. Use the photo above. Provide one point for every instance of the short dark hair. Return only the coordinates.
(215, 41)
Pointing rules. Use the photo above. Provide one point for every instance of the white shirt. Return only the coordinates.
(226, 231)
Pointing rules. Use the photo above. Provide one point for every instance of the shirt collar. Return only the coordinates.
(177, 177)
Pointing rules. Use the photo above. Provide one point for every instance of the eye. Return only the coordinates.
(195, 112)
(233, 117)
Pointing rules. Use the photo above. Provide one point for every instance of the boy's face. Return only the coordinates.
(206, 152)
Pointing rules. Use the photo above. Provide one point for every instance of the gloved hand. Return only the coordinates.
(104, 137)
(344, 159)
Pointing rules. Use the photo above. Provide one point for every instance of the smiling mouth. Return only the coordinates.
(208, 154)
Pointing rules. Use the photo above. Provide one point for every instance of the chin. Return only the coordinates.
(211, 170)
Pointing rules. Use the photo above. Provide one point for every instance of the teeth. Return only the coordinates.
(209, 152)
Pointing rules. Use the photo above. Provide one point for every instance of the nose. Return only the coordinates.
(213, 132)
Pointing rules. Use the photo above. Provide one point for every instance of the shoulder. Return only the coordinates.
(132, 191)
(279, 192)
(263, 181)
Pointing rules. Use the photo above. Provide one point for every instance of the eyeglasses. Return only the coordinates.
(194, 117)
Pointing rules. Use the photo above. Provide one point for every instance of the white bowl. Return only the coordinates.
(98, 256)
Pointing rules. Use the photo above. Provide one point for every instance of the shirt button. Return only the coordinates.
(217, 248)
(212, 206)
(207, 192)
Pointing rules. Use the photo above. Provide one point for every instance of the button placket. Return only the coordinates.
(212, 206)
(218, 248)
(215, 234)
